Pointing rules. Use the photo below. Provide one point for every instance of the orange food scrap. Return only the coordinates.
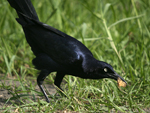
(121, 83)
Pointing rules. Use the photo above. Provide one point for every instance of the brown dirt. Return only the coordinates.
(5, 91)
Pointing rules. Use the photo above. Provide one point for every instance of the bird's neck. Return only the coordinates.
(89, 64)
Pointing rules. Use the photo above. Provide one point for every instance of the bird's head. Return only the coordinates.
(104, 70)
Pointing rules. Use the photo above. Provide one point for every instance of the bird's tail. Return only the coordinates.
(25, 11)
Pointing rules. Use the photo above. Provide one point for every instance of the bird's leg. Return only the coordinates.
(58, 79)
(43, 74)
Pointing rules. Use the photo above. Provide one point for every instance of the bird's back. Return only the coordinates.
(59, 46)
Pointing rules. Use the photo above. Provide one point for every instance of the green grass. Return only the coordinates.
(117, 32)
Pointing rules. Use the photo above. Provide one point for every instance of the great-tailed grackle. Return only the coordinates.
(56, 51)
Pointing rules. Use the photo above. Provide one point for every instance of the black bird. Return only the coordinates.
(56, 51)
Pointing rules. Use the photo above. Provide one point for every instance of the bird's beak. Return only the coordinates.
(116, 76)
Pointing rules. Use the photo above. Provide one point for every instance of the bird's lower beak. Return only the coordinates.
(116, 76)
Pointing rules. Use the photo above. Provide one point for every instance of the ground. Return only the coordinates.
(11, 84)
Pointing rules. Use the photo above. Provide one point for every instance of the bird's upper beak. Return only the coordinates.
(116, 76)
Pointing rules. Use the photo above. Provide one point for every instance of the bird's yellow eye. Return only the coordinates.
(105, 69)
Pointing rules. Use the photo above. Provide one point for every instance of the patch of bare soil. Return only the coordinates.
(11, 84)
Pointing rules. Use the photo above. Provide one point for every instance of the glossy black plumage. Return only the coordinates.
(57, 51)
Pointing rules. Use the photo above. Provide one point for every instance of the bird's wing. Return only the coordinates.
(62, 48)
